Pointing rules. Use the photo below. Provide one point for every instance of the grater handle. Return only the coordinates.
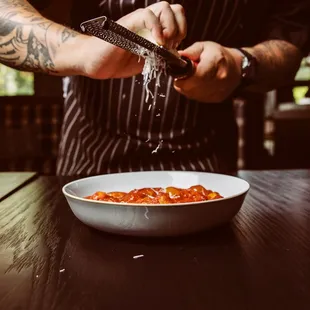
(181, 72)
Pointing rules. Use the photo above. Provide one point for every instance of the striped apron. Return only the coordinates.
(109, 127)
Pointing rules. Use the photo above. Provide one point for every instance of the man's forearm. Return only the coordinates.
(278, 62)
(29, 42)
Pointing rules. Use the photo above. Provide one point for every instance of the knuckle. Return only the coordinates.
(165, 4)
(199, 44)
(182, 34)
(147, 11)
(178, 8)
(149, 16)
(222, 70)
(171, 32)
(207, 44)
(140, 12)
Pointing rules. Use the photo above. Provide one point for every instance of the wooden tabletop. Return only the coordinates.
(49, 260)
(11, 181)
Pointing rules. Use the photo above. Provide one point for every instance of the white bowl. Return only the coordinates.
(155, 220)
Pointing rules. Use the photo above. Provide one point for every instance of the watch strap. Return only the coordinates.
(248, 70)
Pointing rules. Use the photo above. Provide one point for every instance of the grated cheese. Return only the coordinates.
(158, 147)
(138, 256)
(154, 65)
(153, 68)
(147, 211)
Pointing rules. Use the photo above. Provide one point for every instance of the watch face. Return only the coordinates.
(249, 68)
(245, 65)
(245, 62)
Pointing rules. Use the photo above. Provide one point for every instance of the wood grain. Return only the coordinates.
(11, 181)
(49, 260)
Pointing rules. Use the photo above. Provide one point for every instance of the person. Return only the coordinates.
(189, 124)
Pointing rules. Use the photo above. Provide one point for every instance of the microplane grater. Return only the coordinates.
(113, 33)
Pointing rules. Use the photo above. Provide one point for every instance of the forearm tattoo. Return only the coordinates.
(279, 60)
(27, 40)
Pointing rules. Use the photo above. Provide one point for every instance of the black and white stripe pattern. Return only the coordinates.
(108, 126)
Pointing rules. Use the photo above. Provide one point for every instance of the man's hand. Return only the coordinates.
(217, 74)
(167, 25)
(30, 42)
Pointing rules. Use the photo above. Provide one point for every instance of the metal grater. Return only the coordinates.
(111, 32)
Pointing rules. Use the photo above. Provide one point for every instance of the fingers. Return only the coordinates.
(179, 15)
(144, 19)
(153, 24)
(167, 23)
(194, 52)
(184, 86)
(173, 22)
(167, 20)
(215, 76)
(183, 92)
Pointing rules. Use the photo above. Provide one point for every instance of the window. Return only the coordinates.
(303, 78)
(15, 83)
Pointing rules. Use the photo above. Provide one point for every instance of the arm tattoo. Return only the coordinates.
(278, 62)
(22, 49)
(17, 4)
(24, 38)
(67, 34)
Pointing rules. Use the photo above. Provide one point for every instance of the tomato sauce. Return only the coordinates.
(158, 195)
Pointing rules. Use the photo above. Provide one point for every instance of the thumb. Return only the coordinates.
(193, 52)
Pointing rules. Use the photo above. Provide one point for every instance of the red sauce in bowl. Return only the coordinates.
(158, 195)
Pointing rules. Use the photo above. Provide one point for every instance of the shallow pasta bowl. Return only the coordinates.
(155, 220)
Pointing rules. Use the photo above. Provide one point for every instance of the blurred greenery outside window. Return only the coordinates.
(15, 83)
(303, 74)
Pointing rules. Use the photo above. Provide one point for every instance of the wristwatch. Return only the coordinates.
(248, 70)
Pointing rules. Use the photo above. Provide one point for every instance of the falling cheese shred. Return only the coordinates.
(154, 66)
(153, 69)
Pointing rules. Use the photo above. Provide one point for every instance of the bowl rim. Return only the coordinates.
(178, 205)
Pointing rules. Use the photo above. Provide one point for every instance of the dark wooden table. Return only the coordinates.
(11, 181)
(49, 260)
